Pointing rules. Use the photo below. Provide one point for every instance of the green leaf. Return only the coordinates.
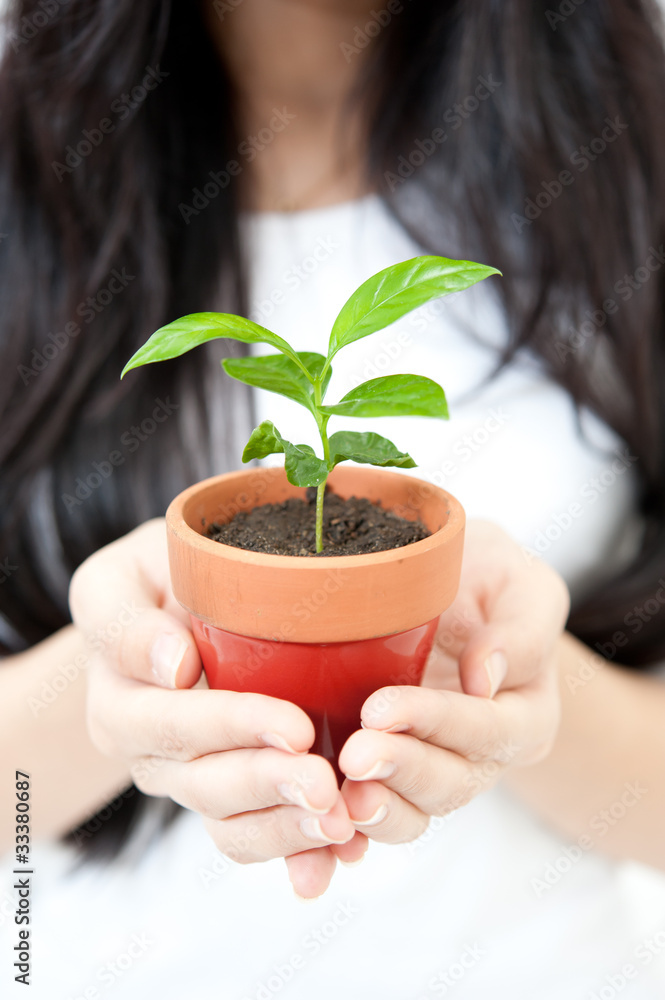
(393, 396)
(301, 465)
(277, 373)
(395, 291)
(191, 331)
(368, 448)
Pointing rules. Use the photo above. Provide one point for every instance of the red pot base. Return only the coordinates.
(329, 681)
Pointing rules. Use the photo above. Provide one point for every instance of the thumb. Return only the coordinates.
(117, 599)
(524, 621)
(483, 663)
(158, 649)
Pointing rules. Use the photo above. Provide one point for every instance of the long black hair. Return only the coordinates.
(113, 113)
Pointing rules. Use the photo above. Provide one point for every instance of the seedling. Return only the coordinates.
(303, 376)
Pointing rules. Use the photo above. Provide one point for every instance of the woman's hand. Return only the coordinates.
(489, 700)
(238, 759)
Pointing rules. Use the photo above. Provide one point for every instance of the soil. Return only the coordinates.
(350, 527)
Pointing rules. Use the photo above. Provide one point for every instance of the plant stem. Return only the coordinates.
(322, 423)
(320, 493)
(296, 360)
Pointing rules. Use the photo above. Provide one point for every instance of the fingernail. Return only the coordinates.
(312, 829)
(279, 743)
(375, 819)
(496, 666)
(297, 797)
(352, 864)
(167, 653)
(400, 727)
(305, 899)
(382, 769)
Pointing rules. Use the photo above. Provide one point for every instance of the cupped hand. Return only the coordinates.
(240, 760)
(489, 700)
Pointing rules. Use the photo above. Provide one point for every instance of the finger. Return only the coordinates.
(458, 622)
(220, 785)
(523, 604)
(513, 727)
(279, 832)
(157, 649)
(128, 719)
(525, 613)
(525, 620)
(432, 779)
(475, 728)
(121, 600)
(381, 814)
(310, 872)
(353, 852)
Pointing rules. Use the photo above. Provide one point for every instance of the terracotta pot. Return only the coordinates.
(322, 632)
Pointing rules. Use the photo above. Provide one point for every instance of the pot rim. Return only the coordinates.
(377, 593)
(179, 525)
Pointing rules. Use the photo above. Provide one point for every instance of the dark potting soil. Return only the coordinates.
(350, 527)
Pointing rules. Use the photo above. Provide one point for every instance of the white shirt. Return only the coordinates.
(489, 903)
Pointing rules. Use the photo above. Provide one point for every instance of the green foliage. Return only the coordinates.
(367, 448)
(304, 376)
(280, 374)
(393, 396)
(302, 466)
(390, 294)
(191, 331)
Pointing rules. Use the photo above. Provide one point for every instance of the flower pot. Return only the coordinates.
(322, 632)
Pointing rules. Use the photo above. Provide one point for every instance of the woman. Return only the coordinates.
(165, 159)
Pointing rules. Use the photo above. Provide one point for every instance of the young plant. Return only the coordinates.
(303, 376)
